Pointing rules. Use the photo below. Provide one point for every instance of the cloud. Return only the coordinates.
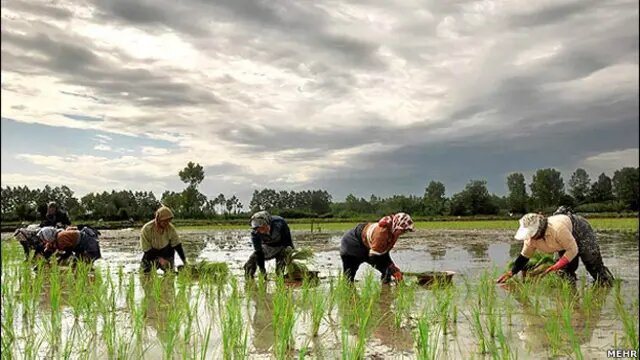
(102, 147)
(609, 162)
(149, 150)
(352, 97)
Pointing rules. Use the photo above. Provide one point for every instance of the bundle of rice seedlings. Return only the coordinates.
(295, 267)
(538, 263)
(211, 269)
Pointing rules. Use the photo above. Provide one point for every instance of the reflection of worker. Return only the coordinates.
(569, 235)
(371, 243)
(159, 242)
(261, 322)
(399, 339)
(158, 308)
(381, 320)
(584, 317)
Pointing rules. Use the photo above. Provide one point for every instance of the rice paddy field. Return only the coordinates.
(115, 312)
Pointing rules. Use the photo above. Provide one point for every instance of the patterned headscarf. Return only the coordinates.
(260, 218)
(399, 221)
(48, 233)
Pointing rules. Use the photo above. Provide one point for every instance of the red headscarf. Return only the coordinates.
(400, 221)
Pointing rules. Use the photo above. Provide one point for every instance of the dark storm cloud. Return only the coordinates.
(275, 21)
(510, 81)
(51, 9)
(409, 169)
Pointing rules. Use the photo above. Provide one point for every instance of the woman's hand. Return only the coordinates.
(506, 276)
(163, 262)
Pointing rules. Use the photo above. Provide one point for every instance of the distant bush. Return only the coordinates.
(295, 214)
(601, 207)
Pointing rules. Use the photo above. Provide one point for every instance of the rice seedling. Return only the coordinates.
(318, 309)
(171, 330)
(55, 324)
(363, 313)
(403, 302)
(426, 338)
(552, 328)
(120, 278)
(629, 321)
(444, 299)
(283, 319)
(476, 323)
(303, 351)
(234, 333)
(190, 311)
(8, 313)
(502, 347)
(202, 354)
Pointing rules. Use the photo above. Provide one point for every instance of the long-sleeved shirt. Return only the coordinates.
(66, 240)
(378, 239)
(152, 237)
(557, 237)
(280, 235)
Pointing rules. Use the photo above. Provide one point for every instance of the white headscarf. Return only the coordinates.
(48, 233)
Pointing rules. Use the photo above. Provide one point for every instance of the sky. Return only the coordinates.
(352, 97)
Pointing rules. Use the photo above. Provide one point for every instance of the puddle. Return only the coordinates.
(468, 253)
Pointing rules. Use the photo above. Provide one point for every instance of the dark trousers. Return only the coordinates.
(350, 265)
(278, 253)
(588, 251)
(151, 258)
(88, 247)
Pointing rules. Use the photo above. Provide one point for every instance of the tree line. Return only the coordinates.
(546, 191)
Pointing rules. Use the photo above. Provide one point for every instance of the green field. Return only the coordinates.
(626, 224)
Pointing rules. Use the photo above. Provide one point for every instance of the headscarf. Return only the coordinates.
(48, 233)
(163, 213)
(400, 221)
(260, 218)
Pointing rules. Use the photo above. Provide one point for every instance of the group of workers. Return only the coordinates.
(568, 235)
(55, 235)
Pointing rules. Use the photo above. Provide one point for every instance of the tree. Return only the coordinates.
(626, 183)
(193, 174)
(517, 199)
(473, 200)
(222, 202)
(601, 190)
(579, 185)
(171, 199)
(434, 199)
(320, 202)
(547, 188)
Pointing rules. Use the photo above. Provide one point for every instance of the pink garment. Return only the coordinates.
(399, 221)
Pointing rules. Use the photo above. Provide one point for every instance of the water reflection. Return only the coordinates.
(159, 297)
(584, 313)
(262, 318)
(396, 338)
(477, 250)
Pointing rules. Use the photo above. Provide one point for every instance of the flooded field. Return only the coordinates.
(115, 312)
